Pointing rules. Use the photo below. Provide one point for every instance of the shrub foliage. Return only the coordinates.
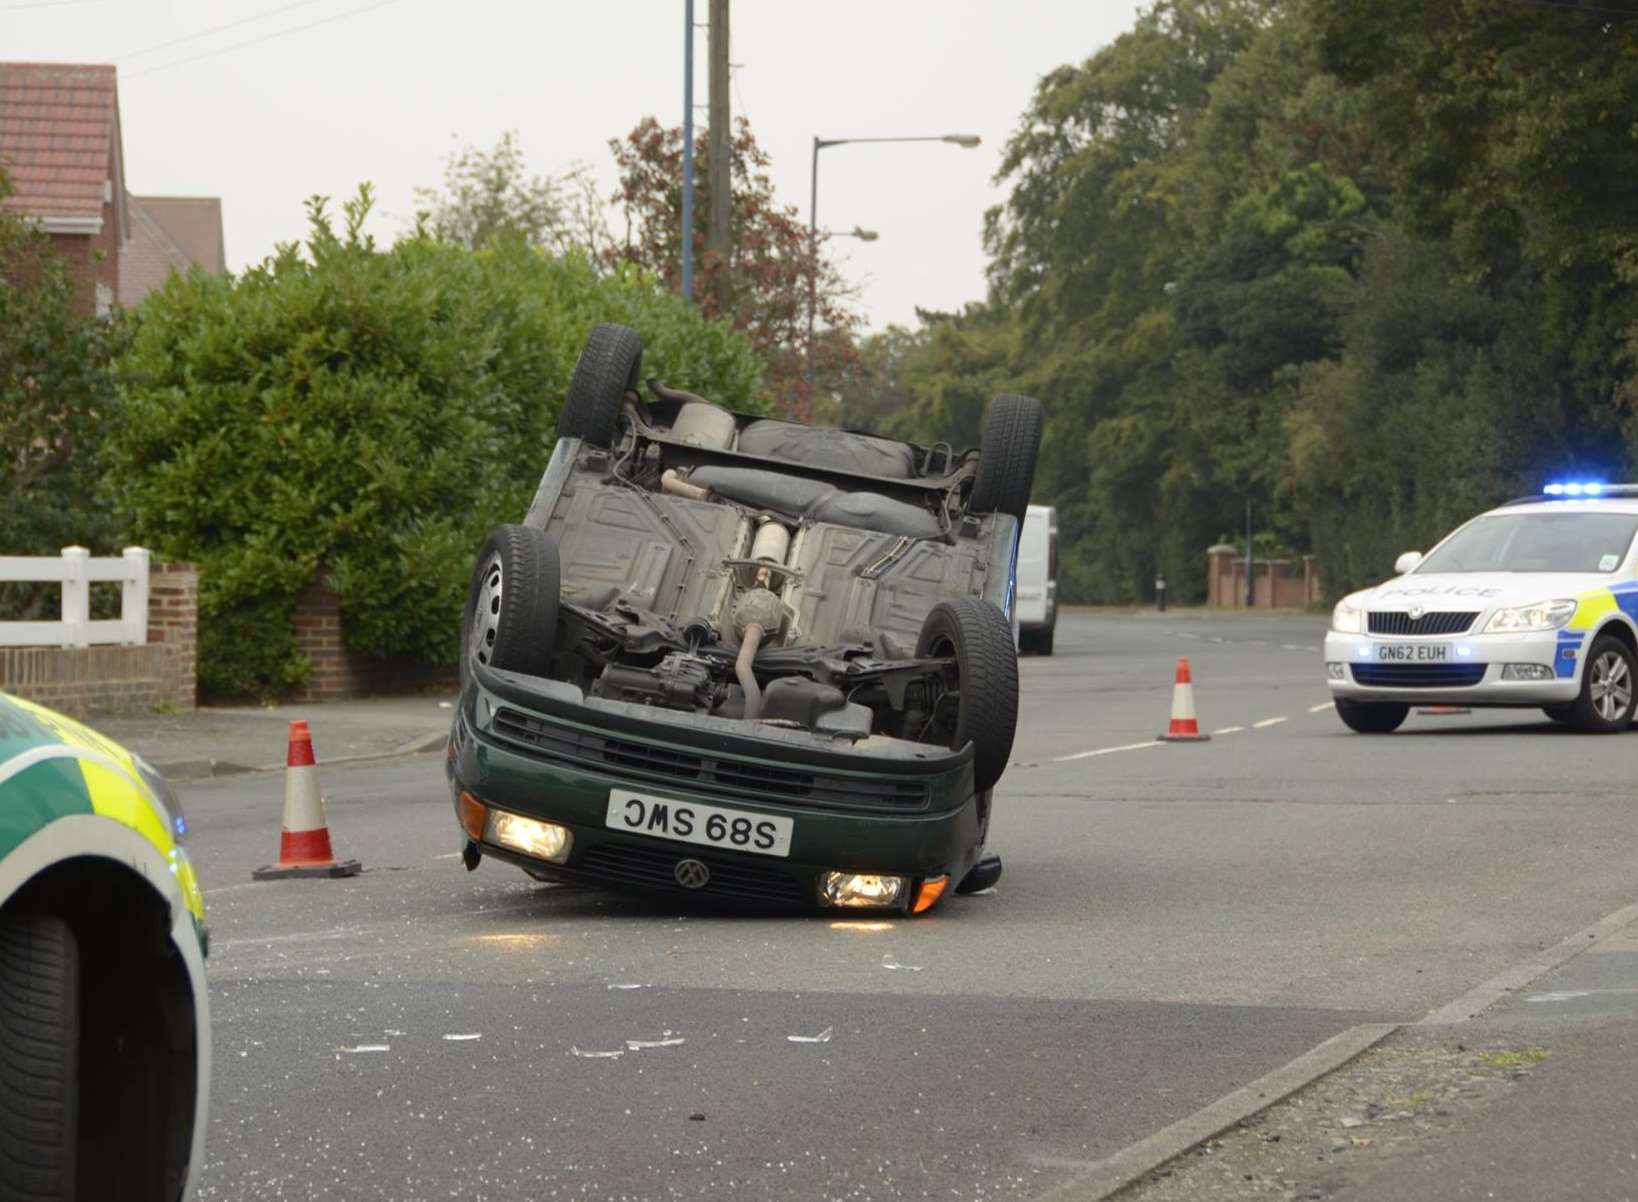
(362, 416)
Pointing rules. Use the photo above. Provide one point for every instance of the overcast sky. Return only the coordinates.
(268, 112)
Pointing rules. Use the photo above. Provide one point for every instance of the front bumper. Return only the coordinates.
(864, 809)
(1473, 674)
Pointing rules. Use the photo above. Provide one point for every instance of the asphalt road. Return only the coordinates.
(1175, 921)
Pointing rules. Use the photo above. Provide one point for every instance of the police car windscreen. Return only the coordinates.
(1536, 542)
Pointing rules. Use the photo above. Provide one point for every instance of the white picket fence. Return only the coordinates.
(77, 572)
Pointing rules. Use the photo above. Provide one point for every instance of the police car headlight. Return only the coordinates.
(1345, 618)
(1543, 615)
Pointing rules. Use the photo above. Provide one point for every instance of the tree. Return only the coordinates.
(487, 193)
(56, 399)
(363, 416)
(773, 269)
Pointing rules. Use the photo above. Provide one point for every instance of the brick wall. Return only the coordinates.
(92, 260)
(339, 673)
(119, 682)
(1276, 583)
(173, 624)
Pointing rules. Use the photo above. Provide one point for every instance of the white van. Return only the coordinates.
(1038, 579)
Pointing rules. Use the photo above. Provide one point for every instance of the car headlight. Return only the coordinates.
(1542, 615)
(1345, 618)
(176, 823)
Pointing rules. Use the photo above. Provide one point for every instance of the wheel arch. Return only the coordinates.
(121, 900)
(1619, 625)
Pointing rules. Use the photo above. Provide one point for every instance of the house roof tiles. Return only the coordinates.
(59, 130)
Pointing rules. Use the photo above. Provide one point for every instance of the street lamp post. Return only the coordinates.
(965, 141)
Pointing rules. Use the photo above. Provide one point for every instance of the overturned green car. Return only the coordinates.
(743, 659)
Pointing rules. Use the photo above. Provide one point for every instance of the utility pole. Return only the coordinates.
(719, 238)
(688, 154)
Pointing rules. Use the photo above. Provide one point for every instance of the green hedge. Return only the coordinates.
(367, 415)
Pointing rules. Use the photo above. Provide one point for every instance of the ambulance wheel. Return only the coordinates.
(39, 1058)
(1372, 717)
(1607, 689)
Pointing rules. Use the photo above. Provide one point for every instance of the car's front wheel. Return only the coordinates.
(510, 621)
(1607, 688)
(1372, 717)
(39, 1058)
(977, 698)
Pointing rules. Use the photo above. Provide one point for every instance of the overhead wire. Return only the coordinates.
(205, 33)
(193, 58)
(12, 8)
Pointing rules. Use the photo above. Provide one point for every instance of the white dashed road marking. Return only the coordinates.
(1082, 755)
(1228, 730)
(1320, 709)
(1267, 722)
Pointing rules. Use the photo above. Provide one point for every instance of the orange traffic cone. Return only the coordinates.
(304, 841)
(1443, 711)
(1183, 728)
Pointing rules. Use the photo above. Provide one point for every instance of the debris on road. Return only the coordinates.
(614, 1055)
(822, 1037)
(638, 1045)
(463, 1038)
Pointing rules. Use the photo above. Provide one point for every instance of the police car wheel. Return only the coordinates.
(39, 1057)
(1372, 717)
(1559, 713)
(1609, 687)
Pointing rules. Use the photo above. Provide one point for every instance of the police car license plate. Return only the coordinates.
(691, 822)
(1413, 653)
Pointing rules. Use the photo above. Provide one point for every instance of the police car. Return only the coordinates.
(1533, 604)
(104, 1024)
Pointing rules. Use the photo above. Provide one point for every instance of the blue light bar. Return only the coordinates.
(1575, 488)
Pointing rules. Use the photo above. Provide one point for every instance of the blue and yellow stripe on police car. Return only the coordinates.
(1592, 609)
(53, 767)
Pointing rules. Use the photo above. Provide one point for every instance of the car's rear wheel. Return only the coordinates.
(609, 366)
(1372, 717)
(39, 1058)
(1006, 456)
(510, 622)
(976, 699)
(1607, 688)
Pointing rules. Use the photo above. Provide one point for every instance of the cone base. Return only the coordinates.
(279, 872)
(1183, 738)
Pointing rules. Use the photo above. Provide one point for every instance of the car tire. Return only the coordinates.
(1006, 456)
(1560, 713)
(39, 1058)
(510, 621)
(1043, 641)
(978, 637)
(1608, 692)
(609, 366)
(1372, 717)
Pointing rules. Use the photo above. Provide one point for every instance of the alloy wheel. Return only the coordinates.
(1611, 687)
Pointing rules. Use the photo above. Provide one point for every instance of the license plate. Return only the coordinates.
(691, 822)
(1413, 653)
